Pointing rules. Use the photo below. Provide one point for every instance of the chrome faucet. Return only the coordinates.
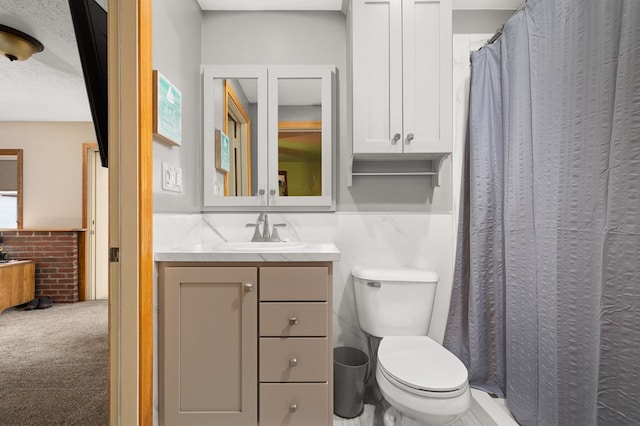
(257, 235)
(266, 235)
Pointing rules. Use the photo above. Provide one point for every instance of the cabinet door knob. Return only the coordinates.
(293, 407)
(293, 362)
(248, 288)
(409, 137)
(272, 191)
(293, 321)
(396, 138)
(260, 191)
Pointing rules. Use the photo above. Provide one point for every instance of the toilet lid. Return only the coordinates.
(421, 363)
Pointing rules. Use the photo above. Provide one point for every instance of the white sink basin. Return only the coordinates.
(261, 246)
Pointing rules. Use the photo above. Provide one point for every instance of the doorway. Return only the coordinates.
(96, 223)
(237, 127)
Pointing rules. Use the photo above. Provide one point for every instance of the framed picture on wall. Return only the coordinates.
(167, 110)
(283, 187)
(222, 151)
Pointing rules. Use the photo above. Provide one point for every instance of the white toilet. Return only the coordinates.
(424, 383)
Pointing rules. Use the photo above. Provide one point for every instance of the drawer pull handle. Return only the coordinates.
(293, 407)
(248, 288)
(293, 321)
(293, 362)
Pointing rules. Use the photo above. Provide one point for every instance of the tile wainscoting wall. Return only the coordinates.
(418, 240)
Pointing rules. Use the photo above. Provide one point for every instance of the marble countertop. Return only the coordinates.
(227, 252)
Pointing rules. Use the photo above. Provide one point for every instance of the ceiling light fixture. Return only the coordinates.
(16, 45)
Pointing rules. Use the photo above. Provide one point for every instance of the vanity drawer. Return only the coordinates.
(294, 283)
(293, 359)
(294, 404)
(294, 319)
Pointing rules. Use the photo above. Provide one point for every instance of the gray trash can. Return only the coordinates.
(350, 371)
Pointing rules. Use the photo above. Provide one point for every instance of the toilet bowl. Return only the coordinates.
(424, 382)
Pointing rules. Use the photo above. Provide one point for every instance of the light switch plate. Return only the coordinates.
(171, 178)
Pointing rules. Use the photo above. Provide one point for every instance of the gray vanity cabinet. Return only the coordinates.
(208, 346)
(295, 346)
(219, 324)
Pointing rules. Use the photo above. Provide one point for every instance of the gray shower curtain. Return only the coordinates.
(546, 298)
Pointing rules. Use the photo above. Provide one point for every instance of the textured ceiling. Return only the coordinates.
(49, 86)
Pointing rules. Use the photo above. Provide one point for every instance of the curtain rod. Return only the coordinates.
(499, 32)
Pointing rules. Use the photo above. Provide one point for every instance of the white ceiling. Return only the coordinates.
(49, 86)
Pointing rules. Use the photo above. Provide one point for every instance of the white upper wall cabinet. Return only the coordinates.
(268, 137)
(401, 76)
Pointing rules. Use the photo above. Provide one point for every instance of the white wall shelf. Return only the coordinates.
(397, 165)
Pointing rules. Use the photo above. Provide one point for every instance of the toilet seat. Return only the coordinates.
(421, 366)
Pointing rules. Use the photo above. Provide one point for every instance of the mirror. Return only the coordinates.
(268, 137)
(299, 137)
(236, 102)
(11, 188)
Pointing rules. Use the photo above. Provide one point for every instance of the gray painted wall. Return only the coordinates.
(317, 38)
(177, 40)
(185, 37)
(479, 21)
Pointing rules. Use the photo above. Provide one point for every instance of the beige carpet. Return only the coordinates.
(53, 365)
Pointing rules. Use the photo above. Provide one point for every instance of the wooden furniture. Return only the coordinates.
(17, 283)
(221, 323)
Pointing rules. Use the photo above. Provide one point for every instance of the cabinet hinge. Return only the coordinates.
(114, 254)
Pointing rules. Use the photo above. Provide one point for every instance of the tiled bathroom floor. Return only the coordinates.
(365, 419)
(369, 418)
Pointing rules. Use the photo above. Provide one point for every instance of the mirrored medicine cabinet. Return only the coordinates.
(268, 137)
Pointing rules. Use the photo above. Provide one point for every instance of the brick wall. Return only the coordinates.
(55, 254)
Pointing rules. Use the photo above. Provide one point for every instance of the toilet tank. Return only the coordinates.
(394, 301)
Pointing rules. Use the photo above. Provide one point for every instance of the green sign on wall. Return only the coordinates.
(167, 113)
(222, 151)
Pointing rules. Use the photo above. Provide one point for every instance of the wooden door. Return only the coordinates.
(208, 368)
(98, 224)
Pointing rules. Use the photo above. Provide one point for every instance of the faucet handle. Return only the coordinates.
(257, 236)
(274, 235)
